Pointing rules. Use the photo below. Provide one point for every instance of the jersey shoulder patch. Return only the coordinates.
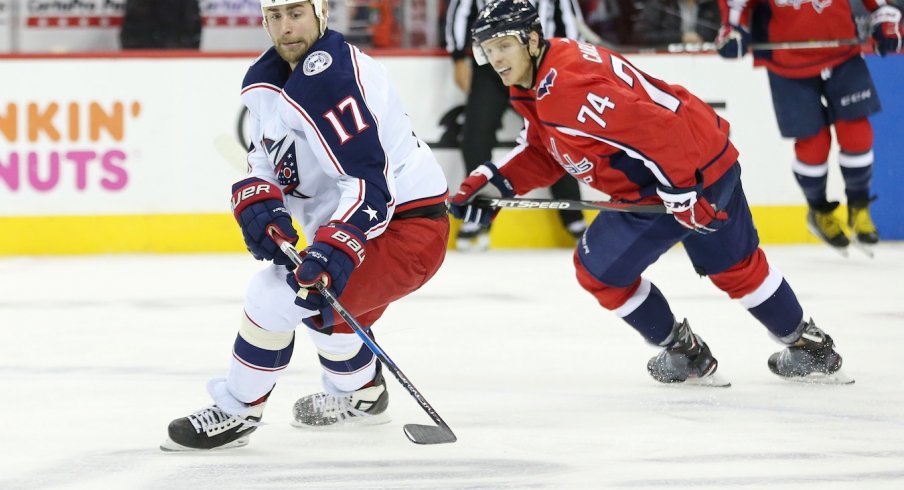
(316, 62)
(326, 75)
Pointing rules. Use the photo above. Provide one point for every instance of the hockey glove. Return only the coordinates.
(885, 23)
(691, 209)
(257, 204)
(462, 203)
(733, 42)
(337, 250)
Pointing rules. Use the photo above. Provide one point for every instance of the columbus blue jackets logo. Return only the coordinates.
(548, 81)
(316, 62)
(285, 163)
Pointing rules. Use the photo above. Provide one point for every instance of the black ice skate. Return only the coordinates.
(822, 222)
(212, 428)
(812, 358)
(687, 359)
(366, 406)
(863, 232)
(472, 237)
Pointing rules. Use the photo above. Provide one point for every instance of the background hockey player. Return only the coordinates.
(332, 148)
(487, 101)
(593, 115)
(813, 89)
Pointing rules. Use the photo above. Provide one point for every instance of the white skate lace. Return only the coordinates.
(336, 406)
(212, 418)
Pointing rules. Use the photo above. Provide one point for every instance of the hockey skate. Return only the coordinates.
(822, 222)
(227, 423)
(365, 406)
(576, 230)
(212, 428)
(687, 359)
(472, 237)
(812, 359)
(863, 232)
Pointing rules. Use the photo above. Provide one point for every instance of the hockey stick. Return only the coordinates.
(710, 47)
(526, 203)
(417, 433)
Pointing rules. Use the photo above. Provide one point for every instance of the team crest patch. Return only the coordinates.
(548, 81)
(317, 62)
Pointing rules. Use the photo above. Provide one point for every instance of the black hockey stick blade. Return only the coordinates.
(429, 434)
(528, 203)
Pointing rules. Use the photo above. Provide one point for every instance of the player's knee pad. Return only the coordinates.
(815, 149)
(744, 277)
(854, 137)
(609, 297)
(262, 349)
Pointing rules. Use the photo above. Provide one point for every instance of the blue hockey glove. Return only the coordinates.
(482, 181)
(257, 204)
(690, 208)
(885, 23)
(337, 250)
(733, 42)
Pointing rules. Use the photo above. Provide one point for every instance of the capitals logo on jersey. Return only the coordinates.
(285, 162)
(570, 166)
(818, 5)
(548, 81)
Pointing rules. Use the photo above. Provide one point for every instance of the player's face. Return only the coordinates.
(510, 60)
(293, 29)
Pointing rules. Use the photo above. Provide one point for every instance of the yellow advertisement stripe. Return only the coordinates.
(187, 233)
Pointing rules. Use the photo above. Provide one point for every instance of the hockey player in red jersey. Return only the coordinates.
(591, 114)
(813, 89)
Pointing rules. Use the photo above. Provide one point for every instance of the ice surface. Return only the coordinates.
(543, 388)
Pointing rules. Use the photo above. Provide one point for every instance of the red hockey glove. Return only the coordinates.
(462, 206)
(885, 23)
(691, 209)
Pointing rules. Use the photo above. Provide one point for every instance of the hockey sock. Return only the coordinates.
(856, 158)
(347, 363)
(648, 312)
(775, 305)
(857, 171)
(811, 166)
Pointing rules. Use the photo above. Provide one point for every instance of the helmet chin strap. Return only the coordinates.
(535, 62)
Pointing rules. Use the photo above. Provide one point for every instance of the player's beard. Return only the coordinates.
(292, 54)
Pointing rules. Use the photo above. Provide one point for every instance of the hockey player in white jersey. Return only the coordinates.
(333, 149)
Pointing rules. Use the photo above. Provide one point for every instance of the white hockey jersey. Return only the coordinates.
(334, 136)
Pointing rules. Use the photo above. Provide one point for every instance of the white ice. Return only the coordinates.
(543, 388)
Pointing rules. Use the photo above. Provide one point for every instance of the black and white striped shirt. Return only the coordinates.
(559, 18)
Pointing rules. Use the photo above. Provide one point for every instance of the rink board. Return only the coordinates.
(96, 155)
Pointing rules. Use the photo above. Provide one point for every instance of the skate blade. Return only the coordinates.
(867, 248)
(843, 251)
(379, 419)
(170, 446)
(481, 243)
(714, 380)
(836, 378)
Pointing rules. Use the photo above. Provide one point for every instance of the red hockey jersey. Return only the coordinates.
(595, 116)
(797, 20)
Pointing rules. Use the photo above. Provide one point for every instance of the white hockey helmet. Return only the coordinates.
(317, 4)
